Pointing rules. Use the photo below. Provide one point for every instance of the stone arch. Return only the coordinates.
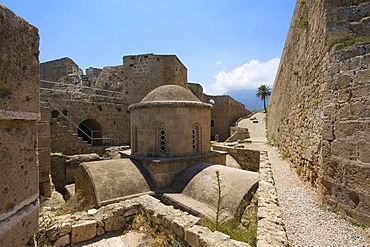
(162, 140)
(91, 131)
(196, 138)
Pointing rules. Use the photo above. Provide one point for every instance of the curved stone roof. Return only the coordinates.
(170, 96)
(170, 93)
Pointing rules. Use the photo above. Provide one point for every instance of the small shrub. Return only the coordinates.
(303, 21)
(298, 170)
(358, 223)
(302, 2)
(284, 155)
(332, 209)
(347, 40)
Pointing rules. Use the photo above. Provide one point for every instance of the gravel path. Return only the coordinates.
(307, 224)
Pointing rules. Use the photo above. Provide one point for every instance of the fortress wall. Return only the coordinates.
(19, 112)
(319, 107)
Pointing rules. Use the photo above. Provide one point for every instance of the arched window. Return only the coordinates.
(196, 138)
(134, 140)
(212, 123)
(162, 134)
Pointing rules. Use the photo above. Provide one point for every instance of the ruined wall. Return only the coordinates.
(113, 119)
(19, 112)
(225, 112)
(55, 69)
(140, 74)
(319, 108)
(197, 90)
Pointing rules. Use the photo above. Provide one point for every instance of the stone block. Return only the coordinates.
(19, 174)
(364, 152)
(43, 128)
(43, 142)
(45, 188)
(45, 114)
(19, 228)
(63, 241)
(44, 174)
(19, 64)
(44, 157)
(83, 231)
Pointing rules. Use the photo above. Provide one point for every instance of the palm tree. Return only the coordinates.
(263, 92)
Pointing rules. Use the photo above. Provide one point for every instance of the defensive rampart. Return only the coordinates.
(319, 113)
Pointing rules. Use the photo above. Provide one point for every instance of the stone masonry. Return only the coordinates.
(19, 112)
(319, 111)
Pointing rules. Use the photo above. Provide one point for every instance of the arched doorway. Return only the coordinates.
(90, 130)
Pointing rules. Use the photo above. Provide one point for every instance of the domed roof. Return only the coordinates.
(170, 93)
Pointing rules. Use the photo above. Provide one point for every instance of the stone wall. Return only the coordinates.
(319, 108)
(247, 159)
(19, 100)
(55, 69)
(225, 112)
(43, 149)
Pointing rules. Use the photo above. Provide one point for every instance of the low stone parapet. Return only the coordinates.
(83, 226)
(247, 159)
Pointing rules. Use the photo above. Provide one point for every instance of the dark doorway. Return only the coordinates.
(90, 130)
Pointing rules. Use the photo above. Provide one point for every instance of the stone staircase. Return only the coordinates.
(67, 141)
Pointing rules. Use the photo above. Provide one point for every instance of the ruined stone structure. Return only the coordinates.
(103, 110)
(319, 112)
(55, 69)
(19, 112)
(175, 118)
(171, 155)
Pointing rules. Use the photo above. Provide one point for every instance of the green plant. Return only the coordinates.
(356, 222)
(302, 2)
(303, 21)
(284, 155)
(242, 228)
(219, 209)
(332, 209)
(298, 170)
(347, 40)
(263, 92)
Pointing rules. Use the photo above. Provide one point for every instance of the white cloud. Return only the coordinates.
(250, 75)
(218, 62)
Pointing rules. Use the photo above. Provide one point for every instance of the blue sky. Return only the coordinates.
(225, 44)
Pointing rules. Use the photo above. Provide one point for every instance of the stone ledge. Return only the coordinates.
(270, 229)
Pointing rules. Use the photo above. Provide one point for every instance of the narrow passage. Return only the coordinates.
(308, 224)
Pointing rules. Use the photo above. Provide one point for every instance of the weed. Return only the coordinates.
(356, 222)
(284, 155)
(348, 40)
(302, 2)
(298, 170)
(315, 101)
(241, 230)
(332, 209)
(303, 22)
